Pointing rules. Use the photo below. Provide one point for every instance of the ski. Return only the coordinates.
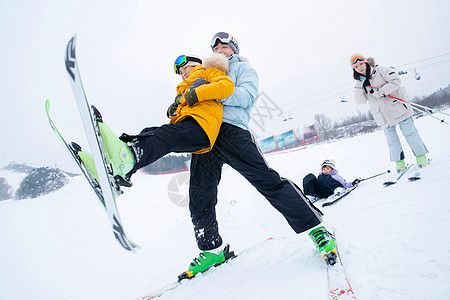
(184, 280)
(339, 287)
(335, 198)
(418, 174)
(73, 153)
(109, 187)
(388, 183)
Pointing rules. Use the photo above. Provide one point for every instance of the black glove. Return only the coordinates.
(377, 93)
(191, 97)
(356, 181)
(172, 110)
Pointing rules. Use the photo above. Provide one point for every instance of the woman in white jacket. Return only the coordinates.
(373, 84)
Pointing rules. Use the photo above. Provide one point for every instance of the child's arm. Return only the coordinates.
(339, 178)
(392, 78)
(360, 95)
(220, 85)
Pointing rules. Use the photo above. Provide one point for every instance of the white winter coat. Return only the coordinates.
(386, 111)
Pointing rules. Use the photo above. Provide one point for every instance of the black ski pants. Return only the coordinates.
(323, 186)
(236, 147)
(155, 142)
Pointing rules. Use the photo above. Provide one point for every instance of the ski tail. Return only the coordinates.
(388, 183)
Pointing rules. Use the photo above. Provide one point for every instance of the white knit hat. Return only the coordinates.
(328, 162)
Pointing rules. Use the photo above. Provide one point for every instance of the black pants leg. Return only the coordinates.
(155, 142)
(327, 185)
(310, 185)
(205, 174)
(237, 148)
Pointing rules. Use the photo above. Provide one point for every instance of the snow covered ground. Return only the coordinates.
(394, 241)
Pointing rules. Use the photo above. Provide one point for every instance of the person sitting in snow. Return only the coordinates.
(328, 182)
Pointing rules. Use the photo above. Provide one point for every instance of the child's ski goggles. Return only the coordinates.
(356, 57)
(182, 60)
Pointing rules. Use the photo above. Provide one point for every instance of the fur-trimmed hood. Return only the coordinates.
(218, 61)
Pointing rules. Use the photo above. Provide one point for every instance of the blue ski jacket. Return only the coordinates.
(238, 107)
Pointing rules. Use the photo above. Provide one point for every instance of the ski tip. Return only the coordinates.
(388, 183)
(47, 106)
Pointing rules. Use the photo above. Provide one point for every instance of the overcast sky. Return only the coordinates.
(126, 49)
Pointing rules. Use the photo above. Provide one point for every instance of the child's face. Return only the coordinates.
(326, 170)
(360, 67)
(184, 71)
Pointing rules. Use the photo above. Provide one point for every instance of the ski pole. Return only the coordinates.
(388, 171)
(419, 107)
(427, 111)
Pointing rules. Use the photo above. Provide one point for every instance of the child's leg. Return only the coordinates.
(327, 185)
(153, 143)
(395, 147)
(412, 136)
(310, 185)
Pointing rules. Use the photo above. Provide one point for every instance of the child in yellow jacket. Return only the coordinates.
(195, 119)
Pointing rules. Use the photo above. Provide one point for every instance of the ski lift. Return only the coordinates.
(287, 117)
(342, 98)
(416, 75)
(399, 72)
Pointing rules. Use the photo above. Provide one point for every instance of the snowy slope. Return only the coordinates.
(393, 241)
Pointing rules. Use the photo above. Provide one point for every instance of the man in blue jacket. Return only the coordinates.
(236, 147)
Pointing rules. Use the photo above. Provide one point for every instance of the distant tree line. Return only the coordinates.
(438, 100)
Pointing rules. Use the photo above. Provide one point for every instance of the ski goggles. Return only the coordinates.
(356, 57)
(182, 60)
(179, 62)
(328, 162)
(223, 37)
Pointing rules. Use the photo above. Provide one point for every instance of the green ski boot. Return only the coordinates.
(87, 160)
(422, 161)
(118, 153)
(400, 166)
(205, 261)
(325, 244)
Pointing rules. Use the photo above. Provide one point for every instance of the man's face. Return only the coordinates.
(223, 49)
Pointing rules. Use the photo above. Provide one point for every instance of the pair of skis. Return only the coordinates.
(416, 176)
(107, 188)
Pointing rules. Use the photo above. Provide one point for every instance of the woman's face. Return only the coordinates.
(360, 67)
